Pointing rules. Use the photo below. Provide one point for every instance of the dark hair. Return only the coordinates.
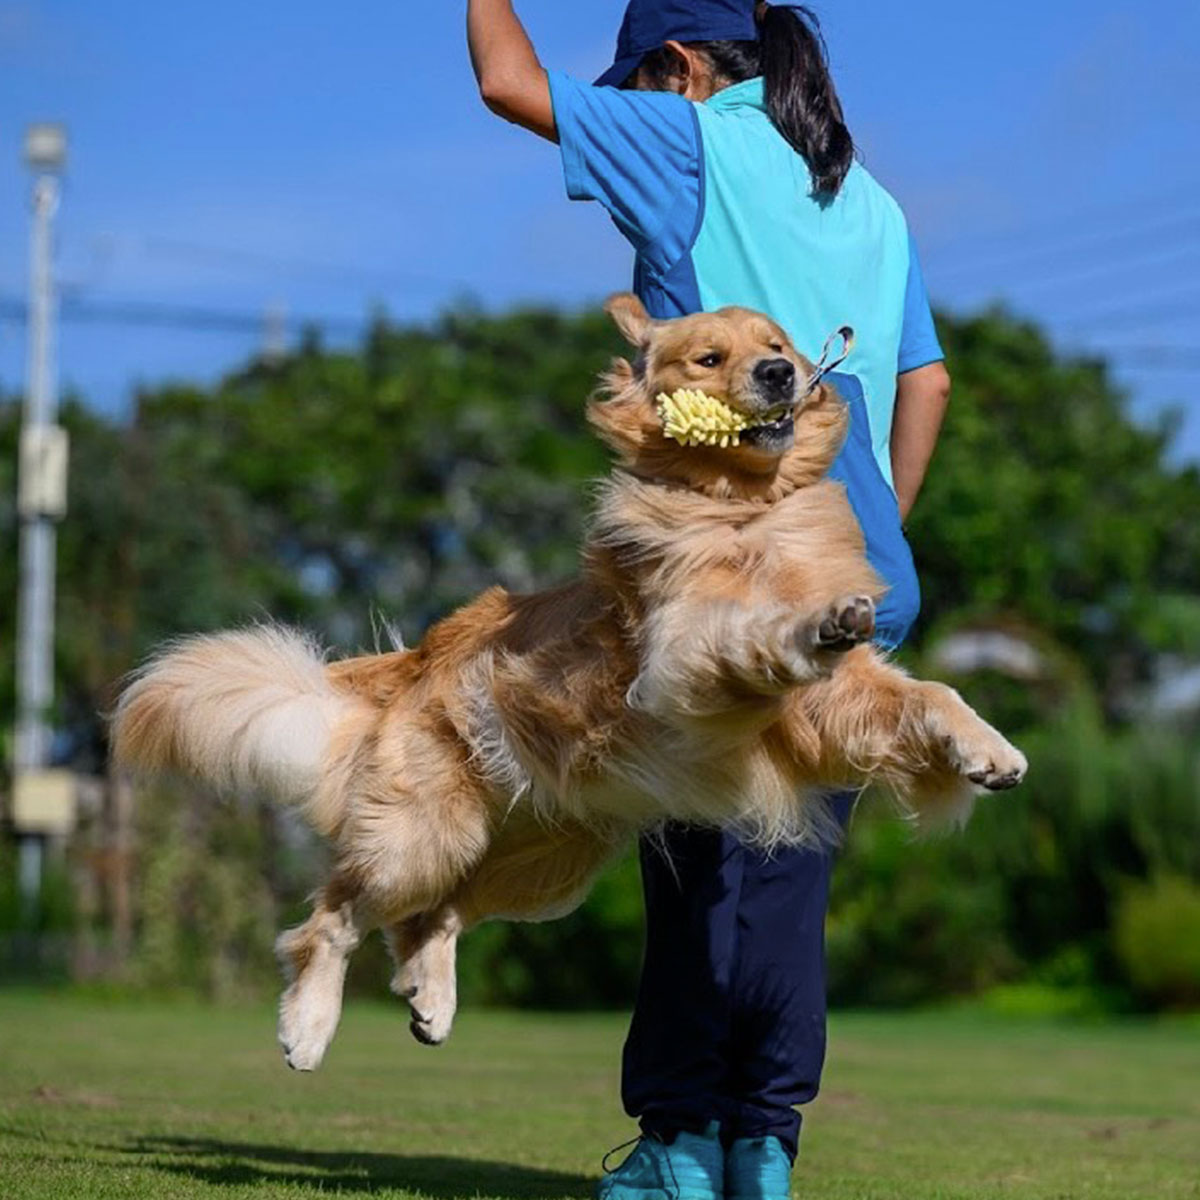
(802, 102)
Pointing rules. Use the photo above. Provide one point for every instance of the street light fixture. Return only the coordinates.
(46, 146)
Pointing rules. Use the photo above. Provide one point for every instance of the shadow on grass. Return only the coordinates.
(444, 1178)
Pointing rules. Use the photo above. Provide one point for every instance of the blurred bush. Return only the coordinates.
(208, 895)
(1156, 932)
(1033, 889)
(337, 488)
(587, 960)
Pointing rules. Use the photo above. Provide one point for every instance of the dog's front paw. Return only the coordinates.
(987, 758)
(847, 623)
(798, 651)
(1000, 772)
(965, 743)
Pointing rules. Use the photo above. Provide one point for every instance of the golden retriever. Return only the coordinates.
(711, 663)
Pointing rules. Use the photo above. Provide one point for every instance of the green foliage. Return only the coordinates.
(1046, 502)
(1157, 938)
(207, 905)
(907, 925)
(1031, 889)
(587, 960)
(37, 944)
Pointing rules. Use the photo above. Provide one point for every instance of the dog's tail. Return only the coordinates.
(248, 710)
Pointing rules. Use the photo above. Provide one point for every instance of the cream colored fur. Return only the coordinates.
(248, 710)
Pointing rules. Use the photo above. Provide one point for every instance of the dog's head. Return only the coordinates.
(741, 357)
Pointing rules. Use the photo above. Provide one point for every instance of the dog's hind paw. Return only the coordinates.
(306, 1054)
(308, 1020)
(432, 1017)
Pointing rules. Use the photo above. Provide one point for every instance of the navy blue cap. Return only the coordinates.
(649, 24)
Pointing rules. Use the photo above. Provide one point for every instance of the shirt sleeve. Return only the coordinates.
(638, 154)
(919, 344)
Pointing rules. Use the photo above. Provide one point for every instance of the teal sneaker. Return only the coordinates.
(692, 1167)
(757, 1169)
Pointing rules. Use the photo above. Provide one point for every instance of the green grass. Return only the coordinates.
(174, 1100)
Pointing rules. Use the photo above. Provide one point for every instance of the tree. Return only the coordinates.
(1046, 503)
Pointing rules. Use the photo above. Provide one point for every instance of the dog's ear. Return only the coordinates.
(631, 318)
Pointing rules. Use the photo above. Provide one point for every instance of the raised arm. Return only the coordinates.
(921, 398)
(512, 81)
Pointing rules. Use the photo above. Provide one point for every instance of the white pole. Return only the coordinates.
(274, 346)
(35, 615)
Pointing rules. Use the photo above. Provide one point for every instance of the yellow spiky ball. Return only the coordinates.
(694, 418)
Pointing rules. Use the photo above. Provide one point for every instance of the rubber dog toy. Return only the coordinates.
(694, 418)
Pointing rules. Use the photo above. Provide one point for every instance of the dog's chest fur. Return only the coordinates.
(549, 724)
(662, 543)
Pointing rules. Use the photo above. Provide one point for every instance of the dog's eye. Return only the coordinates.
(709, 360)
(776, 346)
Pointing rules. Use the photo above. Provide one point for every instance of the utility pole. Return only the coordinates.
(274, 345)
(41, 501)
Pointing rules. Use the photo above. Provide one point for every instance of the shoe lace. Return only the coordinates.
(635, 1142)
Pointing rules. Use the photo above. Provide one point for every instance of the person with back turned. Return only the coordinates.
(716, 142)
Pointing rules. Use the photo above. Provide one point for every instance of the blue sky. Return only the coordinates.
(323, 157)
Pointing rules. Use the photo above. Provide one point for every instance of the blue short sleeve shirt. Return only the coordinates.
(720, 210)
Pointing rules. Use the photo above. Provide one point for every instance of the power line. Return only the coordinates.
(1156, 308)
(199, 319)
(1176, 206)
(258, 260)
(1152, 358)
(212, 320)
(1169, 257)
(1182, 230)
(1145, 357)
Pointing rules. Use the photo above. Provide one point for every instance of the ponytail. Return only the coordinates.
(801, 100)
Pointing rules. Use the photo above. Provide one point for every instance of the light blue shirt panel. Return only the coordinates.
(766, 243)
(637, 154)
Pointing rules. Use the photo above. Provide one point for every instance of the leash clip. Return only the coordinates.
(825, 364)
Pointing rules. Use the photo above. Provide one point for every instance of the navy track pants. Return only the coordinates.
(730, 1015)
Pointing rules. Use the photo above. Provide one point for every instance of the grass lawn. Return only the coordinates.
(173, 1100)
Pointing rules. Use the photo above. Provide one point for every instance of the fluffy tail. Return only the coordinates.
(250, 710)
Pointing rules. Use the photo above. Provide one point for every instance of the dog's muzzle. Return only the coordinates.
(776, 379)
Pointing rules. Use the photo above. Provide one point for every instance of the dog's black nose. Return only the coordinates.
(775, 373)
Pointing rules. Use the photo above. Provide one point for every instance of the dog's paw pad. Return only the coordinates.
(848, 623)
